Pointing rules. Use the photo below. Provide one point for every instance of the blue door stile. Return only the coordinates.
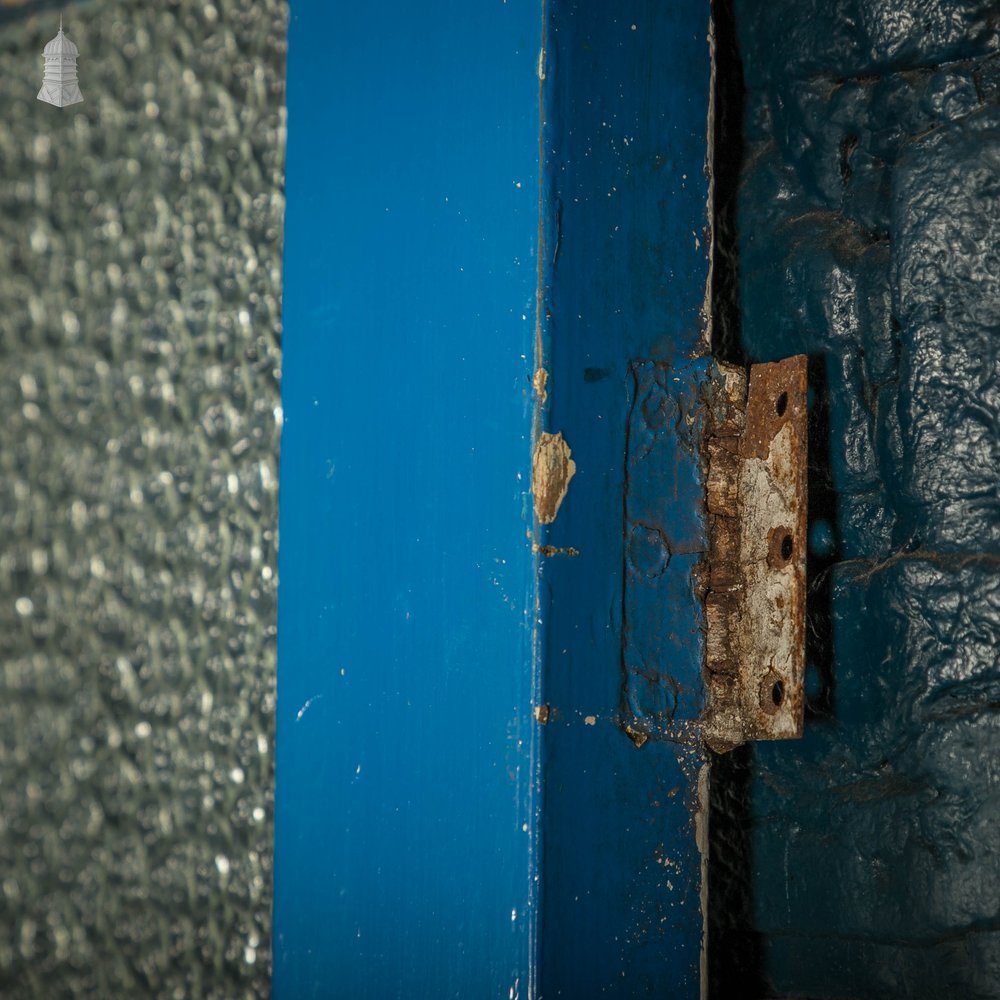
(493, 211)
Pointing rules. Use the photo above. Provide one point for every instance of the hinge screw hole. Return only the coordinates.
(786, 547)
(781, 404)
(780, 546)
(771, 692)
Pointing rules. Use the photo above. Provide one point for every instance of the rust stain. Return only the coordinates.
(553, 550)
(542, 714)
(552, 467)
(755, 603)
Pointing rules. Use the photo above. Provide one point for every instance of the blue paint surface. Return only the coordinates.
(415, 853)
(665, 541)
(626, 100)
(868, 226)
(405, 783)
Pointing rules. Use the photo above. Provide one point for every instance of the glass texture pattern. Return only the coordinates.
(140, 268)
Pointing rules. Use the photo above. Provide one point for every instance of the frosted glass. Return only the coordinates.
(140, 266)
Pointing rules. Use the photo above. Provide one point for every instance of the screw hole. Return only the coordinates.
(781, 404)
(771, 692)
(780, 546)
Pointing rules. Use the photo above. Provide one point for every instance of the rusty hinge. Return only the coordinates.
(756, 590)
(713, 611)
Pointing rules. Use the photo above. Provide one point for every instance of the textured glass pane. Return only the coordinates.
(139, 364)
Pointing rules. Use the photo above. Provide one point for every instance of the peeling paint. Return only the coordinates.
(538, 382)
(640, 739)
(552, 467)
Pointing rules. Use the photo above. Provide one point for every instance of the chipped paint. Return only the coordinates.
(538, 383)
(552, 468)
(638, 737)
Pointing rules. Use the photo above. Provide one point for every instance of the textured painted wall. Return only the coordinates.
(869, 220)
(139, 323)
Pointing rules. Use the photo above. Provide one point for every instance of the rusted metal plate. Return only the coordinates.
(755, 601)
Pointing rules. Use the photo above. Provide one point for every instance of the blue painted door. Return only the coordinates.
(493, 210)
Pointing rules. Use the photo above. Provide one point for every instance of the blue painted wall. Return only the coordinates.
(868, 225)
